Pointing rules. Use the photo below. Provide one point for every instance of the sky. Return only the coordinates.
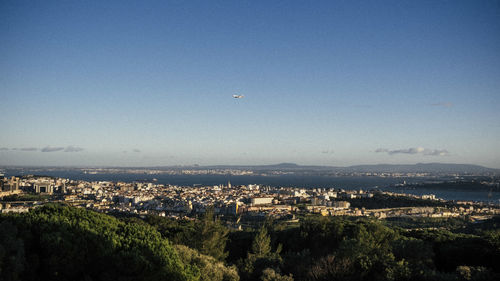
(148, 83)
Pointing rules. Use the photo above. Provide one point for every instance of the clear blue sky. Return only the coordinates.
(325, 82)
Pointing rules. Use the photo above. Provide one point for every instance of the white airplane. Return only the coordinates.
(238, 96)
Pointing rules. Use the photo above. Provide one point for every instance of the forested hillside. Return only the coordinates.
(57, 242)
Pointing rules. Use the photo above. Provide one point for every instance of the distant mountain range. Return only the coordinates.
(424, 168)
(311, 169)
(377, 168)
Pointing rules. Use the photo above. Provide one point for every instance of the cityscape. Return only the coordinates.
(149, 198)
(250, 140)
(227, 212)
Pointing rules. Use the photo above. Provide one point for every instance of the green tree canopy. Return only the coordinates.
(261, 245)
(66, 243)
(210, 236)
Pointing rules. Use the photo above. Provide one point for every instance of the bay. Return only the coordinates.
(347, 183)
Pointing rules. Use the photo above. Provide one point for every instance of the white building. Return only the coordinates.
(261, 200)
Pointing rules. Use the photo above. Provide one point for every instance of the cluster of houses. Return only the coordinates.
(180, 201)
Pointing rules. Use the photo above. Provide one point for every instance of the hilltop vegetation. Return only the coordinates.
(57, 242)
(381, 201)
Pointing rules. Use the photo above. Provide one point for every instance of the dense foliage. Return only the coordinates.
(451, 223)
(26, 197)
(207, 235)
(336, 248)
(382, 201)
(57, 242)
(210, 268)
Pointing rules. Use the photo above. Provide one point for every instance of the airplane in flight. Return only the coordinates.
(238, 96)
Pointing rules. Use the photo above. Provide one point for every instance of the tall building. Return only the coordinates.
(43, 187)
(14, 184)
(9, 185)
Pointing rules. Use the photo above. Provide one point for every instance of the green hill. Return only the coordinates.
(57, 242)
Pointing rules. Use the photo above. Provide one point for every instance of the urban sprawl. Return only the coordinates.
(151, 198)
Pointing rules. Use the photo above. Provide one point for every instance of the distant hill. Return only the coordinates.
(312, 169)
(377, 168)
(280, 166)
(423, 168)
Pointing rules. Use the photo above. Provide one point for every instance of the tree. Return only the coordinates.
(210, 268)
(332, 268)
(210, 237)
(261, 245)
(269, 274)
(260, 257)
(207, 234)
(12, 256)
(65, 243)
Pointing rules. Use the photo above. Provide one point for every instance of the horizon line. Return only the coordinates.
(2, 166)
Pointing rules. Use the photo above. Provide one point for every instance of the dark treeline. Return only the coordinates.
(26, 197)
(381, 201)
(57, 242)
(342, 248)
(473, 184)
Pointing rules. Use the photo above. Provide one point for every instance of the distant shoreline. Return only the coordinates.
(415, 186)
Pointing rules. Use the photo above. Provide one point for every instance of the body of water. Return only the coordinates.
(451, 194)
(190, 180)
(348, 183)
